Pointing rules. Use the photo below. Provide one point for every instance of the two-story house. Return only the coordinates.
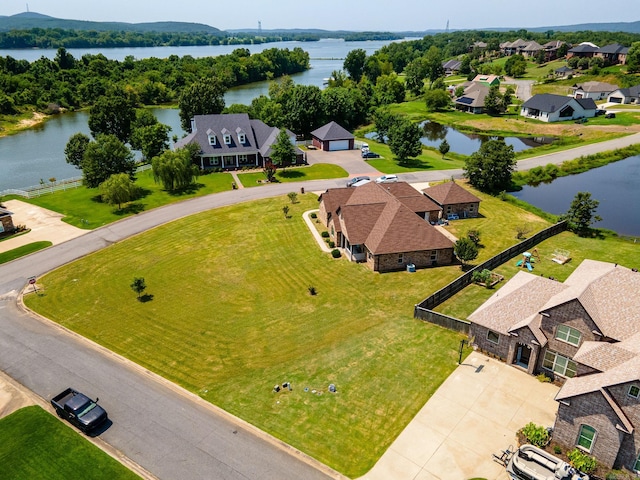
(583, 333)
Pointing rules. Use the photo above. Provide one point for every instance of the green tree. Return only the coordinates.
(354, 64)
(388, 89)
(174, 169)
(104, 157)
(433, 59)
(582, 213)
(384, 121)
(203, 97)
(404, 140)
(506, 98)
(113, 114)
(465, 250)
(118, 189)
(437, 100)
(303, 109)
(75, 148)
(138, 285)
(633, 58)
(493, 102)
(444, 147)
(415, 73)
(490, 168)
(515, 66)
(151, 140)
(283, 153)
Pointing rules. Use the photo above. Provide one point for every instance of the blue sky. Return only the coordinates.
(359, 15)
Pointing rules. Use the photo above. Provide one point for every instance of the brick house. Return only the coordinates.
(233, 141)
(385, 225)
(584, 334)
(6, 222)
(453, 199)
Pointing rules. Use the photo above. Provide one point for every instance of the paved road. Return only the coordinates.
(523, 88)
(164, 429)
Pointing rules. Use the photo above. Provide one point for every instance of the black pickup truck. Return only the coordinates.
(79, 410)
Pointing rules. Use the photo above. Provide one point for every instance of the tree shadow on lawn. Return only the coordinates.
(416, 163)
(189, 189)
(291, 174)
(129, 209)
(147, 297)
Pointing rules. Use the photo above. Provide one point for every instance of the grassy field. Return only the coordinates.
(34, 444)
(22, 251)
(296, 174)
(230, 316)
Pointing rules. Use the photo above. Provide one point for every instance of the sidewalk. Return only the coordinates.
(476, 412)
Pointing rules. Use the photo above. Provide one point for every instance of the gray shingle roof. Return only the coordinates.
(332, 131)
(595, 87)
(548, 102)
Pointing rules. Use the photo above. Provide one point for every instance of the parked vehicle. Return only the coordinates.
(610, 115)
(361, 182)
(79, 410)
(387, 179)
(453, 216)
(370, 154)
(600, 112)
(355, 180)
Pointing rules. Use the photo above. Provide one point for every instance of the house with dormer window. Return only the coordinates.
(233, 141)
(584, 333)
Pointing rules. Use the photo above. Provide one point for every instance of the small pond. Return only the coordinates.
(615, 186)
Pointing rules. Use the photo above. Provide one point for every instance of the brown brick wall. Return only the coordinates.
(322, 214)
(581, 411)
(573, 315)
(421, 259)
(461, 208)
(479, 335)
(7, 223)
(631, 408)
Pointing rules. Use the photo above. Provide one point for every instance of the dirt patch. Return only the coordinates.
(34, 120)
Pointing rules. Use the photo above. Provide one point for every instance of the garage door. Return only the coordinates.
(339, 145)
(615, 99)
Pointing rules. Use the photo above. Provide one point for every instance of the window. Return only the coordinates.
(242, 158)
(634, 391)
(227, 139)
(214, 161)
(557, 363)
(493, 337)
(568, 334)
(212, 140)
(242, 137)
(400, 258)
(636, 466)
(586, 437)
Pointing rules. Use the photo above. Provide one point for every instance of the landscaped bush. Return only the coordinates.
(481, 276)
(543, 378)
(331, 243)
(336, 253)
(535, 434)
(325, 234)
(314, 215)
(583, 462)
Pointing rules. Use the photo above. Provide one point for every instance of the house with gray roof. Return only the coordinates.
(625, 95)
(332, 137)
(385, 226)
(451, 67)
(548, 107)
(472, 100)
(613, 54)
(233, 141)
(584, 333)
(595, 90)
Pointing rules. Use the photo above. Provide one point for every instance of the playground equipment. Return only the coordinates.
(561, 256)
(526, 261)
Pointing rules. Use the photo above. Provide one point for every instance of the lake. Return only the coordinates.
(615, 186)
(38, 153)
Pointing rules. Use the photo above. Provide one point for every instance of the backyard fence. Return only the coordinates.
(424, 310)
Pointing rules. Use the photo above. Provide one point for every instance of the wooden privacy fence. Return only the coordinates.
(424, 310)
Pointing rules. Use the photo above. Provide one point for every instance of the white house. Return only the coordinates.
(595, 90)
(547, 107)
(625, 95)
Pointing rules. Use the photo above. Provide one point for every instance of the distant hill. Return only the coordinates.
(27, 20)
(629, 27)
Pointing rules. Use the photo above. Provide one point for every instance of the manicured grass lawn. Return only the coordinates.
(22, 251)
(296, 174)
(83, 208)
(429, 160)
(231, 316)
(34, 444)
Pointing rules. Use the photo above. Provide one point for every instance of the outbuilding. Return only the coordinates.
(332, 137)
(6, 222)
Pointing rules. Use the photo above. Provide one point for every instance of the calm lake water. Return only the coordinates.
(615, 186)
(38, 153)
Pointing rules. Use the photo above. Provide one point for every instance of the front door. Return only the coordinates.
(523, 355)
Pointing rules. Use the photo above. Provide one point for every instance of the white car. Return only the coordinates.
(387, 179)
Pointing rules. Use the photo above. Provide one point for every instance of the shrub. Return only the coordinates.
(557, 450)
(314, 215)
(483, 276)
(581, 461)
(325, 234)
(543, 378)
(474, 236)
(312, 290)
(535, 434)
(331, 243)
(335, 253)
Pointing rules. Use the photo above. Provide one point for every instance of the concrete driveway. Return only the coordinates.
(350, 160)
(475, 413)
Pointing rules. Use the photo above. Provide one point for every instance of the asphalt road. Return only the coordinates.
(163, 428)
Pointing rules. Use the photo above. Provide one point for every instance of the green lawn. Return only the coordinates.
(296, 174)
(83, 208)
(22, 251)
(34, 444)
(229, 316)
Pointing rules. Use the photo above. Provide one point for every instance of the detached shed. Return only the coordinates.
(6, 222)
(332, 137)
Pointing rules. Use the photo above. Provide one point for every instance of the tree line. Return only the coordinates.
(70, 82)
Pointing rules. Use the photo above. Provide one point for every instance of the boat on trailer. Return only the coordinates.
(533, 463)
